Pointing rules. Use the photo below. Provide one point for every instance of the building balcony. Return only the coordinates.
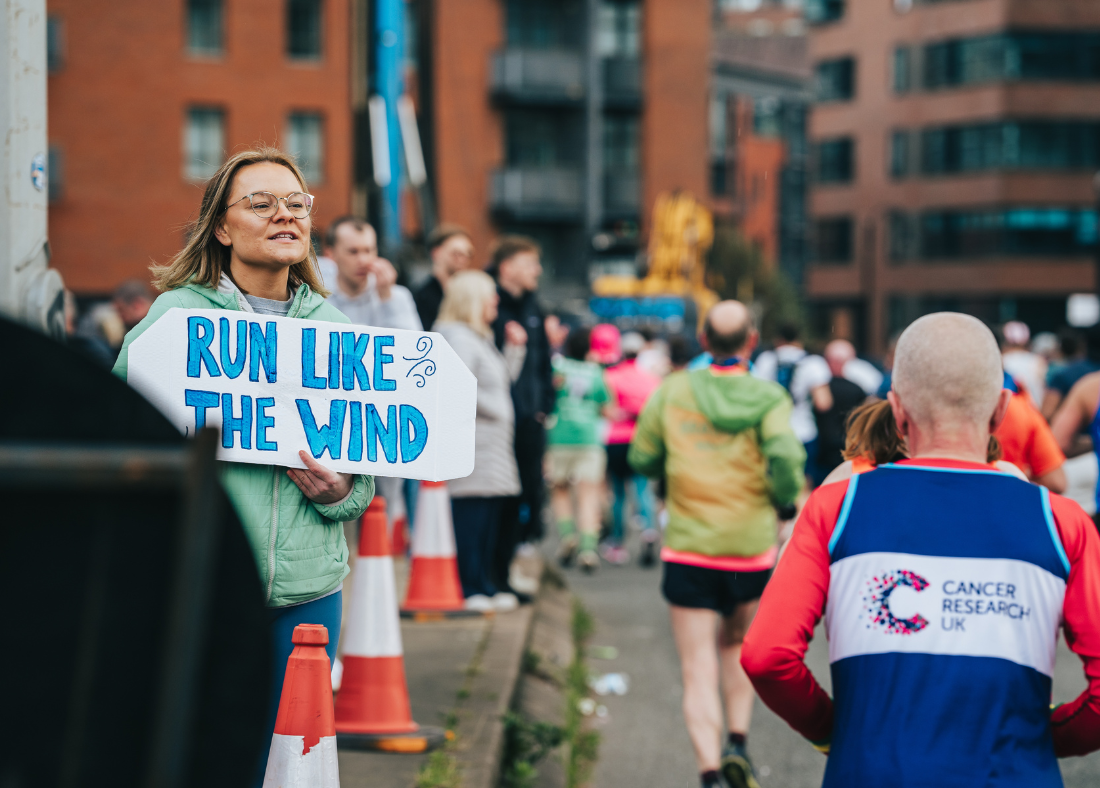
(622, 194)
(538, 193)
(538, 76)
(622, 82)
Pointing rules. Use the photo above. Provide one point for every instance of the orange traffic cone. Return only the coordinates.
(433, 574)
(373, 703)
(303, 749)
(399, 526)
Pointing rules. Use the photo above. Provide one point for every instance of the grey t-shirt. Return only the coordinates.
(265, 306)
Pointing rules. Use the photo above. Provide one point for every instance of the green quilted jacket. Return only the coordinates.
(298, 544)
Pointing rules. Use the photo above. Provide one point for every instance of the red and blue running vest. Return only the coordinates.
(942, 625)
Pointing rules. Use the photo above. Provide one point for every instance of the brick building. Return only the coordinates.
(563, 119)
(954, 145)
(146, 99)
(761, 92)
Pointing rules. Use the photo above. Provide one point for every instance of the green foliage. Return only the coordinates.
(583, 624)
(531, 661)
(583, 744)
(440, 771)
(525, 744)
(737, 269)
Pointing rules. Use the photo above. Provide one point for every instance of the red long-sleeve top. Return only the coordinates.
(795, 598)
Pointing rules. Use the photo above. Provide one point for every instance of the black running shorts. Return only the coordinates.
(711, 589)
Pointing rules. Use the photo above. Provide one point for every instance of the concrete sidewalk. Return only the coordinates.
(462, 675)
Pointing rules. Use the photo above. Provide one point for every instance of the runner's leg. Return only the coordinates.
(643, 501)
(588, 513)
(694, 630)
(736, 688)
(562, 505)
(618, 508)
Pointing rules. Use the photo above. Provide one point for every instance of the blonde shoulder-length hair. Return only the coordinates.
(465, 298)
(203, 258)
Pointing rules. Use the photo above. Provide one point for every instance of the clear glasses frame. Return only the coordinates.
(272, 207)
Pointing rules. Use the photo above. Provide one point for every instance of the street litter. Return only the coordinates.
(610, 684)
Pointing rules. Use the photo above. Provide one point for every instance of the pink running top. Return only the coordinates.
(631, 386)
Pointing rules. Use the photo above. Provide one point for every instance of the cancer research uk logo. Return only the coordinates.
(876, 602)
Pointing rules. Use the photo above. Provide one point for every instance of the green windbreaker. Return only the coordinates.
(726, 446)
(298, 544)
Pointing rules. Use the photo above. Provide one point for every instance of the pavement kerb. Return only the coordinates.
(492, 694)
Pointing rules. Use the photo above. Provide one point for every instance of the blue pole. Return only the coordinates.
(389, 59)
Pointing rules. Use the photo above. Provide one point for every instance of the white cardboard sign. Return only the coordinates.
(359, 399)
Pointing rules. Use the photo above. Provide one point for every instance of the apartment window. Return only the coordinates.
(204, 26)
(833, 240)
(55, 44)
(1012, 145)
(55, 174)
(767, 116)
(835, 161)
(899, 154)
(620, 142)
(719, 177)
(619, 28)
(1024, 56)
(836, 79)
(540, 138)
(621, 158)
(903, 236)
(303, 29)
(902, 70)
(819, 12)
(1016, 231)
(546, 24)
(204, 143)
(305, 142)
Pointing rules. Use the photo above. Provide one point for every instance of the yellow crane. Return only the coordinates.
(681, 232)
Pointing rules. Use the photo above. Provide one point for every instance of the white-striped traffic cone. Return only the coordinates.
(374, 696)
(433, 572)
(393, 490)
(372, 707)
(303, 748)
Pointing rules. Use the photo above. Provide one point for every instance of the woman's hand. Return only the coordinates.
(514, 334)
(318, 483)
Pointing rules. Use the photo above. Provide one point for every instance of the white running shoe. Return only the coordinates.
(504, 602)
(521, 582)
(479, 603)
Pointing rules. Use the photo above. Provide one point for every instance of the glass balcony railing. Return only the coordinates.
(538, 75)
(547, 193)
(622, 81)
(622, 195)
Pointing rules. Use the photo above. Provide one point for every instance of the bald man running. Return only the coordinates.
(943, 584)
(724, 442)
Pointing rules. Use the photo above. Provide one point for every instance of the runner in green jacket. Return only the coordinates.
(724, 441)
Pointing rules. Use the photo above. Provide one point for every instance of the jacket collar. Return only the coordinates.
(510, 301)
(231, 297)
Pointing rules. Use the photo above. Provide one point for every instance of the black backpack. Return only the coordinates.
(784, 373)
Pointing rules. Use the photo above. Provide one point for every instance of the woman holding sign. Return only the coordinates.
(249, 251)
(465, 319)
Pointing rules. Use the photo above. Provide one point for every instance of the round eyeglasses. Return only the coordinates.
(265, 204)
